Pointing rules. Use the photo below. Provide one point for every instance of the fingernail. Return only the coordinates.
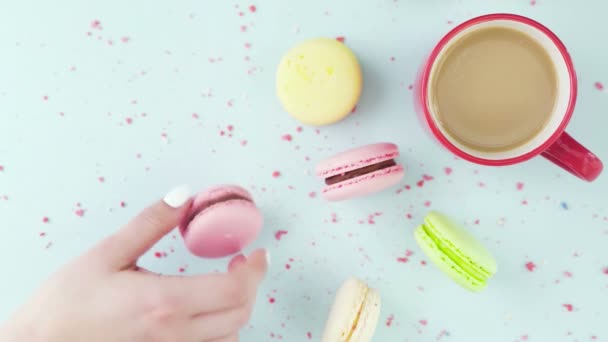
(178, 196)
(268, 259)
(236, 261)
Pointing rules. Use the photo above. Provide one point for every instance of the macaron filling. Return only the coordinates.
(360, 172)
(208, 204)
(357, 318)
(448, 249)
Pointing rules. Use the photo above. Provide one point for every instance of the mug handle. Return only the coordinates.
(573, 157)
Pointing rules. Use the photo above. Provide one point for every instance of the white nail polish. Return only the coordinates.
(268, 259)
(178, 196)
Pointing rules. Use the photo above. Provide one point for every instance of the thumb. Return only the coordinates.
(123, 248)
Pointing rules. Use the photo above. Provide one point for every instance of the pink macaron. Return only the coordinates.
(361, 171)
(221, 222)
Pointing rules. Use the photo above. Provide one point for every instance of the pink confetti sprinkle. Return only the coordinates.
(279, 234)
(309, 335)
(287, 266)
(389, 320)
(287, 137)
(247, 45)
(407, 187)
(195, 116)
(341, 39)
(101, 179)
(42, 234)
(79, 212)
(271, 300)
(568, 307)
(110, 42)
(481, 184)
(423, 322)
(420, 184)
(96, 25)
(409, 216)
(276, 174)
(252, 8)
(244, 143)
(409, 253)
(427, 177)
(448, 171)
(519, 186)
(402, 260)
(532, 2)
(158, 254)
(568, 274)
(392, 59)
(334, 218)
(524, 202)
(370, 218)
(125, 39)
(123, 204)
(230, 128)
(164, 138)
(243, 28)
(45, 98)
(605, 270)
(181, 270)
(299, 129)
(427, 203)
(312, 194)
(129, 121)
(423, 262)
(599, 86)
(524, 337)
(476, 221)
(1, 168)
(530, 266)
(45, 220)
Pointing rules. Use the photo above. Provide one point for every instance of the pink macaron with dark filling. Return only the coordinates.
(221, 222)
(361, 171)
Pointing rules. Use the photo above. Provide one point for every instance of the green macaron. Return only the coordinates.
(455, 252)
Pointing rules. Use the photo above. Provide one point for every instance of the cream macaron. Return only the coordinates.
(354, 314)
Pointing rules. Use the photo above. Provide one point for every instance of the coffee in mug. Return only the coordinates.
(494, 89)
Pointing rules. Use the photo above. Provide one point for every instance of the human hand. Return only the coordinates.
(104, 296)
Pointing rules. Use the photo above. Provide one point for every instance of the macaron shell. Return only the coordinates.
(223, 229)
(445, 264)
(319, 81)
(464, 243)
(344, 311)
(364, 185)
(368, 320)
(356, 159)
(213, 194)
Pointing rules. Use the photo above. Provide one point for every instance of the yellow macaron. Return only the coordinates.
(319, 81)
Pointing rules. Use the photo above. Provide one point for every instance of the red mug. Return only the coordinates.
(552, 142)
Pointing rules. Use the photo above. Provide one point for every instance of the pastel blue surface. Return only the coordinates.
(185, 57)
